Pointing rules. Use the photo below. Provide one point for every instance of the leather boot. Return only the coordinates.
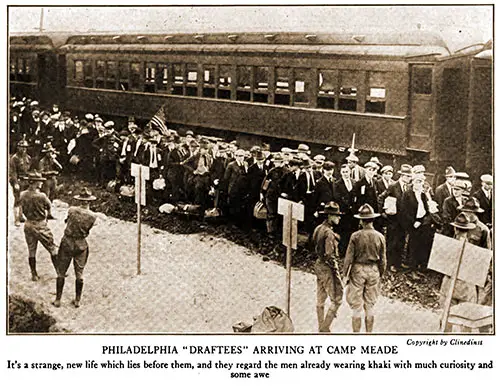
(356, 324)
(34, 274)
(53, 257)
(330, 315)
(320, 311)
(369, 320)
(59, 291)
(78, 292)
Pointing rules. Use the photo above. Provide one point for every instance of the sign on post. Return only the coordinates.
(291, 212)
(461, 260)
(140, 174)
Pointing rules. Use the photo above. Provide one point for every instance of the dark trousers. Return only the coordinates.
(420, 245)
(396, 236)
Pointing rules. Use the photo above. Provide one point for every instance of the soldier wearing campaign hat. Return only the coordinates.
(50, 167)
(73, 246)
(326, 267)
(365, 263)
(19, 165)
(36, 206)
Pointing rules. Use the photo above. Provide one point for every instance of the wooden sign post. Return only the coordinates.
(140, 174)
(291, 212)
(459, 260)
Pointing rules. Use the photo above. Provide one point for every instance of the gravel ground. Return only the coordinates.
(189, 283)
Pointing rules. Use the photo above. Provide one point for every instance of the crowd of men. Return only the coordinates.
(213, 174)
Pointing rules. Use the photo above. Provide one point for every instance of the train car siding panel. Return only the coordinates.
(375, 133)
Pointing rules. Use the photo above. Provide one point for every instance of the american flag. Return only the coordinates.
(159, 121)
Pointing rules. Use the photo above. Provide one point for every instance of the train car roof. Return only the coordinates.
(374, 44)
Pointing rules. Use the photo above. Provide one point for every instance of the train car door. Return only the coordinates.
(421, 111)
(47, 78)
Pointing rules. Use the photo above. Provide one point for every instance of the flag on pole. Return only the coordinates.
(159, 121)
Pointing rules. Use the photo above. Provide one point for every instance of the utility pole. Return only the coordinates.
(41, 20)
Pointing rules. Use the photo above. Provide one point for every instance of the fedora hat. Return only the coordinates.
(462, 222)
(85, 195)
(405, 169)
(303, 148)
(366, 212)
(376, 161)
(471, 205)
(34, 176)
(449, 172)
(277, 157)
(331, 208)
(371, 165)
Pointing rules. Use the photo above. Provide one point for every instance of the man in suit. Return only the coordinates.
(396, 233)
(357, 172)
(271, 191)
(443, 191)
(256, 174)
(383, 183)
(342, 195)
(235, 183)
(485, 197)
(325, 187)
(290, 185)
(365, 191)
(450, 206)
(418, 222)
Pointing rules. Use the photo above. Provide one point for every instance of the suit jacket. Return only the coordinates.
(234, 178)
(324, 192)
(379, 184)
(255, 178)
(442, 193)
(364, 193)
(272, 184)
(342, 196)
(290, 186)
(408, 206)
(486, 217)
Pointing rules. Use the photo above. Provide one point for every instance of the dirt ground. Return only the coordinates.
(189, 283)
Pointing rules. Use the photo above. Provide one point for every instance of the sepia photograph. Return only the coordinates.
(249, 169)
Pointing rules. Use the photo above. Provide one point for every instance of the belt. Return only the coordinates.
(367, 263)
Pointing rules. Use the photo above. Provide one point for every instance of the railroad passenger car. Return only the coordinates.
(405, 95)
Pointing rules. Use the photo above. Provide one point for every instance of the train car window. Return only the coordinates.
(100, 70)
(348, 91)
(422, 80)
(192, 79)
(209, 81)
(150, 77)
(27, 70)
(375, 100)
(282, 86)
(78, 74)
(162, 78)
(20, 69)
(301, 86)
(224, 82)
(178, 87)
(88, 73)
(327, 88)
(135, 76)
(123, 73)
(261, 85)
(244, 83)
(111, 76)
(12, 69)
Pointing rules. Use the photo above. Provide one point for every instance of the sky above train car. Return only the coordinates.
(458, 25)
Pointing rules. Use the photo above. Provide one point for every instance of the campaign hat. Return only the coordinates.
(462, 221)
(331, 208)
(85, 195)
(471, 204)
(366, 212)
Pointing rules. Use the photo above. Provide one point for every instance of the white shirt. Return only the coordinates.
(348, 184)
(421, 208)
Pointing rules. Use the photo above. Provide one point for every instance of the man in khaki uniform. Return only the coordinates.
(365, 262)
(36, 207)
(329, 282)
(74, 245)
